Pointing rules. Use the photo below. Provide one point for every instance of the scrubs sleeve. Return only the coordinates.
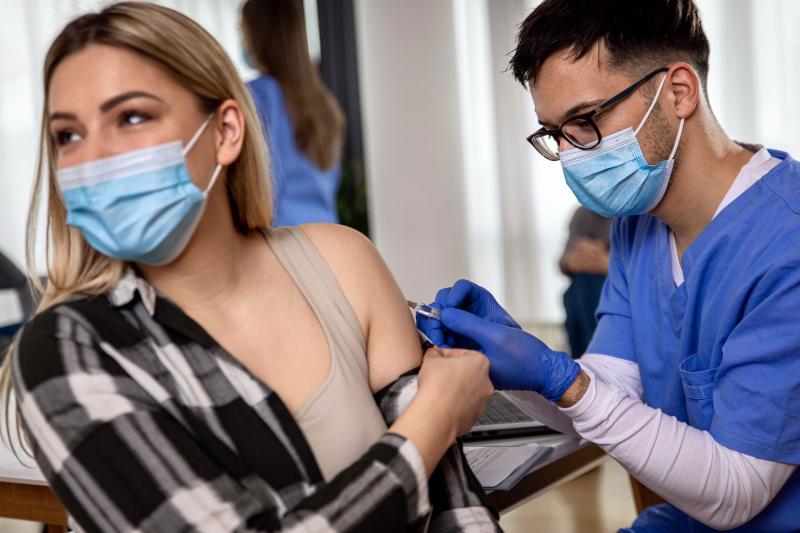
(756, 388)
(614, 333)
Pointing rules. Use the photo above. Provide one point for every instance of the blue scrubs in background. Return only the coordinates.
(721, 351)
(302, 192)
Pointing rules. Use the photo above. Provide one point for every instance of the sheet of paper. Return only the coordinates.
(493, 464)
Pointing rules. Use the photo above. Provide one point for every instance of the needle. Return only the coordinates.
(424, 310)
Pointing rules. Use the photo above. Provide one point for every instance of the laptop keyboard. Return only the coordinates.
(501, 410)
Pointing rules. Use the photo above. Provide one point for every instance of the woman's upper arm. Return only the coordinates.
(393, 345)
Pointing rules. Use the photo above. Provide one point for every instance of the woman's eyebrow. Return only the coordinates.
(105, 106)
(115, 101)
(60, 115)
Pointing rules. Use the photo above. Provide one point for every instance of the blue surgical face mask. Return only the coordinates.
(139, 206)
(613, 179)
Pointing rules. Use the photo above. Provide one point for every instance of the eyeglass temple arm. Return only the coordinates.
(541, 132)
(627, 92)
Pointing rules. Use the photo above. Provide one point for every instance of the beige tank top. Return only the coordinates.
(340, 419)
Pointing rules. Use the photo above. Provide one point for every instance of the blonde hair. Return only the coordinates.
(195, 60)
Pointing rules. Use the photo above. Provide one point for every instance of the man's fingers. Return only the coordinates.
(462, 291)
(473, 327)
(441, 296)
(432, 329)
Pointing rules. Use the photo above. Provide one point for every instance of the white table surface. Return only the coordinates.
(12, 471)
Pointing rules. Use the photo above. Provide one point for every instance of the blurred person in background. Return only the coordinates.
(304, 124)
(585, 261)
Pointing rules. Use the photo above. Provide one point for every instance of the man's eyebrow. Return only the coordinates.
(574, 110)
(115, 101)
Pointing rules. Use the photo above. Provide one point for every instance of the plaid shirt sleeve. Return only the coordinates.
(119, 461)
(458, 500)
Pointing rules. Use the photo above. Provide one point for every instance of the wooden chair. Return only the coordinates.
(34, 503)
(644, 497)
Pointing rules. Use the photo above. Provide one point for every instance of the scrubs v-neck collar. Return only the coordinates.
(759, 165)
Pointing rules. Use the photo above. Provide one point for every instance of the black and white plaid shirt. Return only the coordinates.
(140, 421)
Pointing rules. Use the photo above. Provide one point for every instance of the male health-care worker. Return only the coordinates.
(692, 379)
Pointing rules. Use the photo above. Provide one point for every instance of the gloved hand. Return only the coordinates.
(469, 297)
(518, 360)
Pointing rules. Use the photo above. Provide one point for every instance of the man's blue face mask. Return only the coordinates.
(139, 206)
(613, 179)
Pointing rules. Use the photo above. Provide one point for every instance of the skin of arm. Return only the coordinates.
(576, 391)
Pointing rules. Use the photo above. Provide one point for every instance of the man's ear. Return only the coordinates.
(230, 127)
(684, 89)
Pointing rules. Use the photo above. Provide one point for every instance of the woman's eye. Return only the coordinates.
(132, 118)
(66, 137)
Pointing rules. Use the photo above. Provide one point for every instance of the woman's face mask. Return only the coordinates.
(139, 206)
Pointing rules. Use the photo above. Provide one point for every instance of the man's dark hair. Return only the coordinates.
(639, 34)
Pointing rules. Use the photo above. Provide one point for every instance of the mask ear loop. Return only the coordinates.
(197, 135)
(677, 139)
(190, 145)
(214, 176)
(652, 105)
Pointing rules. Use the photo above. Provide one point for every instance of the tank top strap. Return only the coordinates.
(315, 279)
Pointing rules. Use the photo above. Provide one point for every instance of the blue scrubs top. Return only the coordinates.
(722, 351)
(302, 192)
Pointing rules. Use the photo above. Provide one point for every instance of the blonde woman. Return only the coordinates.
(189, 369)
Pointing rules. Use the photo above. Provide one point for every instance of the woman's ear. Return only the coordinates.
(229, 132)
(685, 89)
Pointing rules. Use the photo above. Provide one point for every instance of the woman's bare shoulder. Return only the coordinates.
(352, 257)
(348, 252)
(339, 242)
(392, 343)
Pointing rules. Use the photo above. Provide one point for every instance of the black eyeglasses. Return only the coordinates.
(581, 131)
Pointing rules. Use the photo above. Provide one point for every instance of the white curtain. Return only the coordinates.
(755, 75)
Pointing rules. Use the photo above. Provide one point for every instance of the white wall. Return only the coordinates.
(413, 127)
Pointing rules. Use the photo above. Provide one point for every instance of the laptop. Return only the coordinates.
(504, 418)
